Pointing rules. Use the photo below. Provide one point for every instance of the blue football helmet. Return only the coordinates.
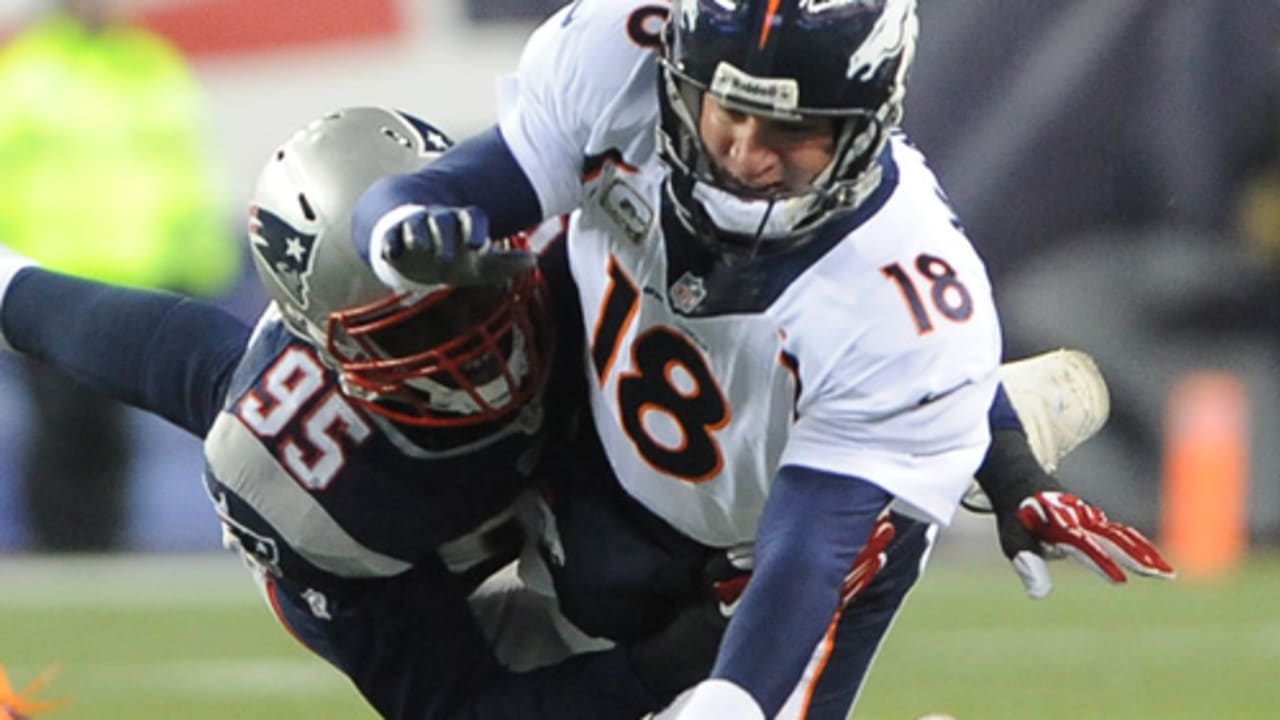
(451, 357)
(846, 60)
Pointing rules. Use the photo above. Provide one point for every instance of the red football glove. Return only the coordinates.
(1066, 526)
(870, 560)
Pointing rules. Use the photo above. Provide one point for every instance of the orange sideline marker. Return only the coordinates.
(1206, 468)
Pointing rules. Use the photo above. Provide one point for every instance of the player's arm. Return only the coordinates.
(157, 351)
(436, 225)
(814, 528)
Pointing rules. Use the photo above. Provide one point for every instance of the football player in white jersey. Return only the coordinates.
(787, 331)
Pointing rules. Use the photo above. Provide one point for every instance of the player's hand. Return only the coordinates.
(683, 652)
(417, 246)
(1052, 524)
(871, 559)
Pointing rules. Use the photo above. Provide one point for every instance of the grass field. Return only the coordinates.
(186, 638)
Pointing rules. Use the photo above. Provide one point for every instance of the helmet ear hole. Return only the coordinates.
(307, 210)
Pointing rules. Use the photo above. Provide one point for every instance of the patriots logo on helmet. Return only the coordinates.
(286, 250)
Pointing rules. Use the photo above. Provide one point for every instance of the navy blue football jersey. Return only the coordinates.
(320, 491)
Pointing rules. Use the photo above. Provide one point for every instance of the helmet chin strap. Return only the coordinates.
(758, 238)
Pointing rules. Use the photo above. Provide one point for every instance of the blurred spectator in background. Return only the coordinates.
(1099, 156)
(106, 171)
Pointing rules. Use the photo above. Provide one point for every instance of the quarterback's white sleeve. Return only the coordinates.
(10, 263)
(568, 96)
(924, 455)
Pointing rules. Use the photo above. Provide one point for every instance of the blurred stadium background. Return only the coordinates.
(1116, 162)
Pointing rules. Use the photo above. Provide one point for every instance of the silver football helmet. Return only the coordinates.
(448, 357)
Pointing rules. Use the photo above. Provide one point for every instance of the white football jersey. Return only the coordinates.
(870, 352)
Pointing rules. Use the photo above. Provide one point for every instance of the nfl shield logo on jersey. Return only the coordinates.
(688, 292)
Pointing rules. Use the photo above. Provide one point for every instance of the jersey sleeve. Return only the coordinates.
(158, 351)
(813, 528)
(571, 96)
(924, 451)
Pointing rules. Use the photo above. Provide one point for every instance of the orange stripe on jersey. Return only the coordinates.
(595, 165)
(769, 14)
(792, 366)
(275, 608)
(617, 311)
(828, 646)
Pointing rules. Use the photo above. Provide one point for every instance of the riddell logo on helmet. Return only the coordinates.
(774, 93)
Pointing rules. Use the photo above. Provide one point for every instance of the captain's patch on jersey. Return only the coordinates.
(628, 209)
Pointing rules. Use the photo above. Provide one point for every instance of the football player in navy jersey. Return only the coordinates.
(787, 332)
(368, 451)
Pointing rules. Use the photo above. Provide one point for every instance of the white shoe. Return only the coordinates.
(1061, 399)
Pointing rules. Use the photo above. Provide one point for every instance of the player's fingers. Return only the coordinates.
(393, 242)
(1032, 513)
(1061, 511)
(1033, 572)
(728, 592)
(1082, 548)
(864, 571)
(423, 235)
(443, 230)
(882, 534)
(1133, 550)
(871, 558)
(1035, 519)
(474, 228)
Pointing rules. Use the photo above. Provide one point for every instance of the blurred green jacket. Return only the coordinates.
(105, 169)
